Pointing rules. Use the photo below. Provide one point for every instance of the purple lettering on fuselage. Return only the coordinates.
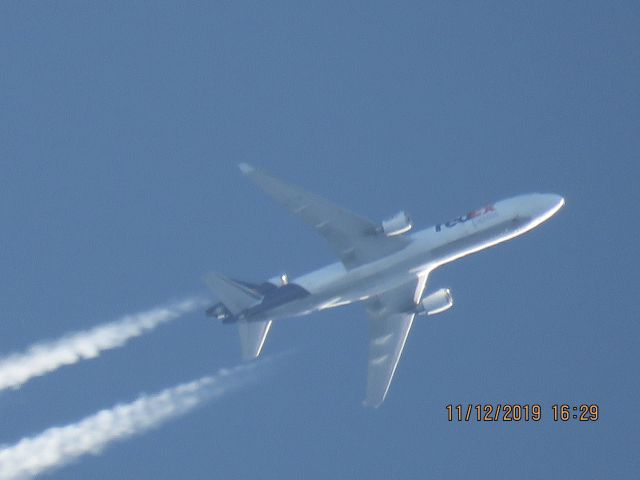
(468, 216)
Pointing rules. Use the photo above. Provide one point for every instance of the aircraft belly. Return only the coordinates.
(358, 284)
(478, 240)
(333, 286)
(338, 296)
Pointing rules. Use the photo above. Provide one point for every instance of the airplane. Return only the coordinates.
(381, 265)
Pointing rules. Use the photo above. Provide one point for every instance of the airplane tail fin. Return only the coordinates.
(236, 298)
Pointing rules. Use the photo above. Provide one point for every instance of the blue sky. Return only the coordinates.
(121, 128)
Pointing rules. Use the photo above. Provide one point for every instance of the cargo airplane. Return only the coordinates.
(381, 265)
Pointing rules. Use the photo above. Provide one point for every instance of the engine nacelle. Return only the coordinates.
(396, 225)
(279, 280)
(437, 302)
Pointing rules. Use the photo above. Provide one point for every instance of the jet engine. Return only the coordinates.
(396, 225)
(437, 302)
(279, 280)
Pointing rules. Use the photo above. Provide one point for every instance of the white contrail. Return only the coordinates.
(45, 357)
(58, 446)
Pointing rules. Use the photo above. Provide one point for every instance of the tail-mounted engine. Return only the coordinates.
(280, 280)
(437, 302)
(398, 224)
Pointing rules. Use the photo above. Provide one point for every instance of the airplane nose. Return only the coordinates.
(545, 205)
(552, 202)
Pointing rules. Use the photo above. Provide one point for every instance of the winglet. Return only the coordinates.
(245, 168)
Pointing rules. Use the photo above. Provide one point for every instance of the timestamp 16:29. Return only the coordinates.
(515, 412)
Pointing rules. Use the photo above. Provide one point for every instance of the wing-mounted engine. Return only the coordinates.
(435, 303)
(398, 224)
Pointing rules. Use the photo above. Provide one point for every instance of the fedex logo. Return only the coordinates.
(467, 217)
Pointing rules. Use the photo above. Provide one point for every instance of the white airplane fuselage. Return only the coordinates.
(333, 285)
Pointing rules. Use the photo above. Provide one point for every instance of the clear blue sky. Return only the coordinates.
(121, 125)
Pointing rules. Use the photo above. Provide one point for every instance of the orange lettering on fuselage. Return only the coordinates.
(468, 216)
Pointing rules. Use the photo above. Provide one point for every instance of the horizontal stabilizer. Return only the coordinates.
(234, 296)
(238, 297)
(252, 337)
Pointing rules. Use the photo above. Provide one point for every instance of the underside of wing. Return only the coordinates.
(391, 317)
(355, 239)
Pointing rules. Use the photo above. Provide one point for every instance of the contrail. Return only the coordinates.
(45, 357)
(58, 446)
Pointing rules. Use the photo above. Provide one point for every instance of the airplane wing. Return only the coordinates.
(389, 328)
(353, 238)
